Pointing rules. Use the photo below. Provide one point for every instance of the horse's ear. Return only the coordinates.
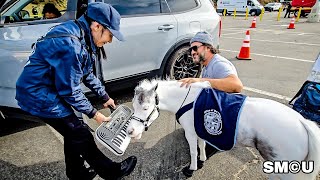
(138, 90)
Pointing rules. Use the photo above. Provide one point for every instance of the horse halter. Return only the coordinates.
(156, 108)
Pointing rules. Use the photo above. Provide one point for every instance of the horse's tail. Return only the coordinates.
(313, 146)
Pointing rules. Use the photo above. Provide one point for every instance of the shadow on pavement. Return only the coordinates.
(10, 126)
(161, 158)
(53, 170)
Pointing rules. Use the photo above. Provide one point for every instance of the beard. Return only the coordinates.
(202, 57)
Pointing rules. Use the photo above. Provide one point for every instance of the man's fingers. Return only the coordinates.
(183, 84)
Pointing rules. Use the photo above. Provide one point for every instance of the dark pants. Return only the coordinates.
(287, 13)
(79, 145)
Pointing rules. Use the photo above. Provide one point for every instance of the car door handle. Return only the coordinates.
(166, 27)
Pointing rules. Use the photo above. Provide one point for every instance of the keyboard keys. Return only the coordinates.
(117, 139)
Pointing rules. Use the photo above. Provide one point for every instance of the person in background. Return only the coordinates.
(49, 87)
(50, 11)
(288, 12)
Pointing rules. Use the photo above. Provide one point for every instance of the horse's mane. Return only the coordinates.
(147, 85)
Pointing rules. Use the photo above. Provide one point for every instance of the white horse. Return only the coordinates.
(275, 130)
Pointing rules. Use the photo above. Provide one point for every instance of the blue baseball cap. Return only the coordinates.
(107, 16)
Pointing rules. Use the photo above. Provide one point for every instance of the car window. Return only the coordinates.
(81, 7)
(31, 10)
(134, 7)
(181, 5)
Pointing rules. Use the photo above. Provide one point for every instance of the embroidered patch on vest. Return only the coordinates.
(216, 115)
(213, 122)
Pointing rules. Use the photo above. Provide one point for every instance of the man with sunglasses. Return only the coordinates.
(50, 88)
(219, 71)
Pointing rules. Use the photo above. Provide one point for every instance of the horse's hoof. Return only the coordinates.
(200, 164)
(187, 172)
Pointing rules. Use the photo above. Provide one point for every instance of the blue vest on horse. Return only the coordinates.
(216, 115)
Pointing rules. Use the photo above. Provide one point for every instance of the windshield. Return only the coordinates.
(8, 4)
(270, 4)
(3, 3)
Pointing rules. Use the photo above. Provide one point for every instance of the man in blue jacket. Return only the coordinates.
(50, 88)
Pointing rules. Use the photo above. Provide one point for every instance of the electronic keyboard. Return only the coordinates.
(113, 134)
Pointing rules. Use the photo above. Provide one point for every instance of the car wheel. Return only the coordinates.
(253, 13)
(180, 65)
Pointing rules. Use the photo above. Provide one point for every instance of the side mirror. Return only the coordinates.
(23, 14)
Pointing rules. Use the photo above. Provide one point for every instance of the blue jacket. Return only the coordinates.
(50, 84)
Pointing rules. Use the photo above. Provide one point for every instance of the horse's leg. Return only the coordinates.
(190, 133)
(192, 141)
(203, 157)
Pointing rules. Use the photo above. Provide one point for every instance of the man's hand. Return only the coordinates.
(100, 118)
(187, 81)
(110, 102)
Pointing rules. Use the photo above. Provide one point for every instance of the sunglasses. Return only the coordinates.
(194, 48)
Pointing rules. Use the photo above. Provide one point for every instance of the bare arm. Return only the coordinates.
(231, 83)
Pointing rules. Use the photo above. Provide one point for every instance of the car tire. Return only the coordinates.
(180, 65)
(252, 13)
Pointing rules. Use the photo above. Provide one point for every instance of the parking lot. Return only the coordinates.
(281, 61)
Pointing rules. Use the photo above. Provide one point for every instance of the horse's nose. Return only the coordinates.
(130, 131)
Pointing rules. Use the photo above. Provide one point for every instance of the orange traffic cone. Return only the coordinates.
(254, 22)
(291, 25)
(245, 49)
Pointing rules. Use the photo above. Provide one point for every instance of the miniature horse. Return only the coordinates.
(275, 130)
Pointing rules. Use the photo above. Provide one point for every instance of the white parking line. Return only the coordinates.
(278, 96)
(273, 31)
(280, 57)
(272, 41)
(225, 34)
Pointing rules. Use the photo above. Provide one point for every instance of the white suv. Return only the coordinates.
(272, 6)
(157, 34)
